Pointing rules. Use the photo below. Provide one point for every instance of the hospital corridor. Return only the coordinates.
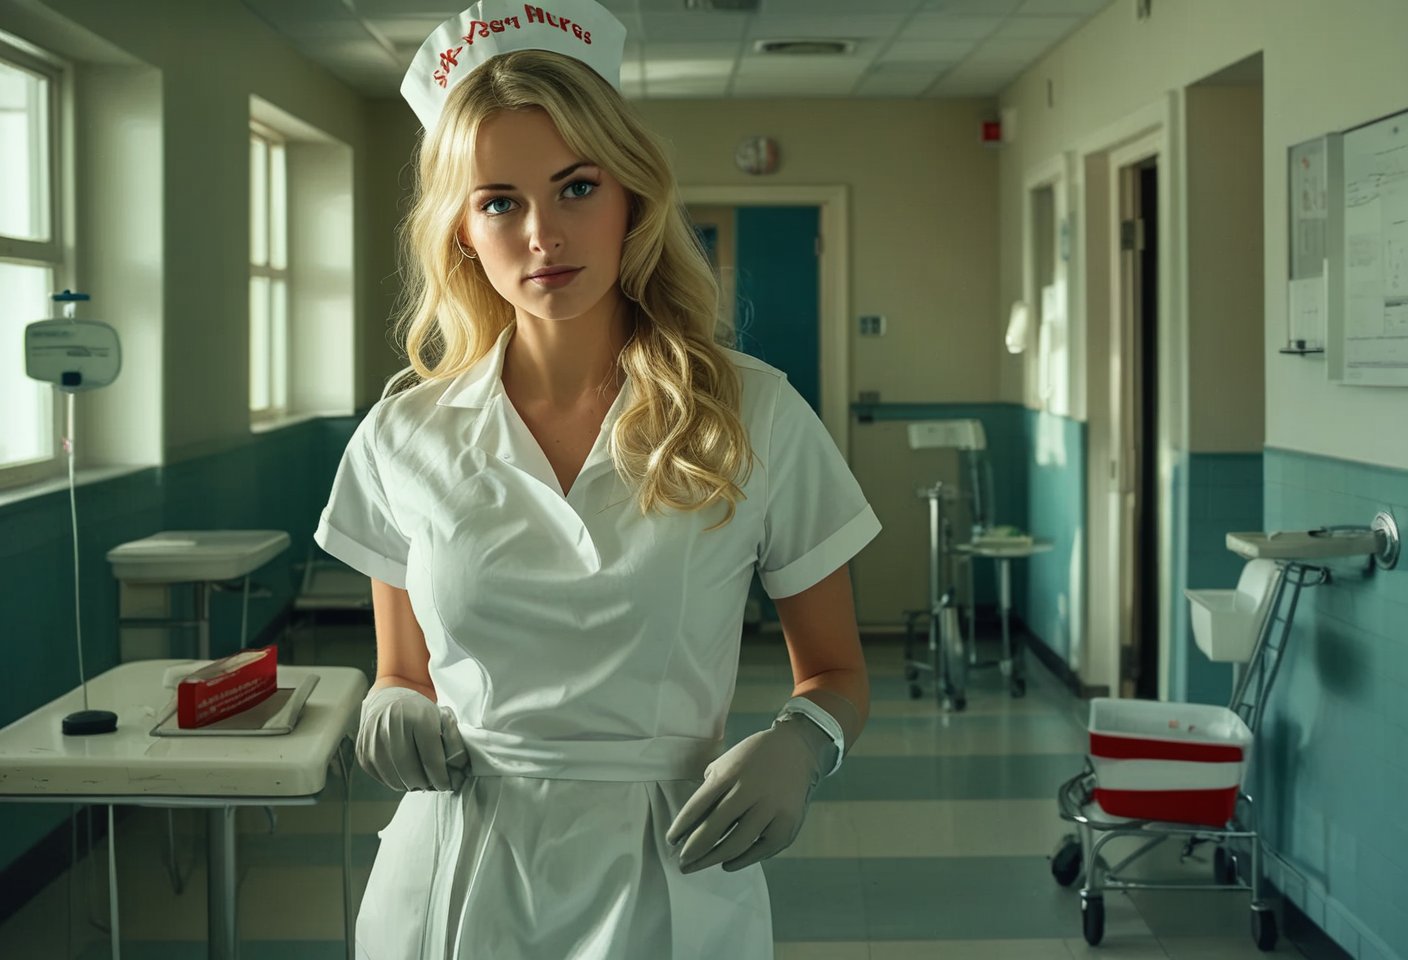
(703, 479)
(932, 842)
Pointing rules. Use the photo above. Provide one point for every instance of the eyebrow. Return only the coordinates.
(552, 179)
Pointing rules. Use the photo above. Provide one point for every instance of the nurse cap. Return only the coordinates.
(581, 29)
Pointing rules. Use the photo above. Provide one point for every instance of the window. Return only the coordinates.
(268, 274)
(32, 260)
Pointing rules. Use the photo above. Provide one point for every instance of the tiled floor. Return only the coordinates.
(931, 841)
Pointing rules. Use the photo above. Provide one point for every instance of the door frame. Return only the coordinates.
(1154, 130)
(833, 334)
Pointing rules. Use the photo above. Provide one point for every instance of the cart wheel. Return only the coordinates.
(1066, 862)
(911, 673)
(1224, 867)
(914, 692)
(1092, 910)
(1019, 687)
(1264, 929)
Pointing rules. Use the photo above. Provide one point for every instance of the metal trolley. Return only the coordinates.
(1080, 853)
(946, 647)
(946, 655)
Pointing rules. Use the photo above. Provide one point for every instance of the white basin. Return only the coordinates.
(183, 556)
(1226, 622)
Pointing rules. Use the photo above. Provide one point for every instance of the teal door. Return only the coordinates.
(778, 292)
(778, 309)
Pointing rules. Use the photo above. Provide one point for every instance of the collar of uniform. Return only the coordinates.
(481, 382)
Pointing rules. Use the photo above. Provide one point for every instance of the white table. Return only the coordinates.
(38, 764)
(1012, 661)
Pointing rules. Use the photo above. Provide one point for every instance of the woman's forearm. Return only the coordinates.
(845, 694)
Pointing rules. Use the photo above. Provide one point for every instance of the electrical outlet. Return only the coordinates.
(870, 396)
(872, 325)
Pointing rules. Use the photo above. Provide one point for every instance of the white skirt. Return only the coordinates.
(524, 868)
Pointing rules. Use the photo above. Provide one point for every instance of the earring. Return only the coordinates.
(467, 256)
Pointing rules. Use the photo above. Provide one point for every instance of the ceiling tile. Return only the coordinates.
(782, 87)
(690, 51)
(812, 8)
(894, 85)
(1026, 50)
(941, 26)
(692, 26)
(761, 66)
(1035, 28)
(844, 27)
(674, 70)
(948, 89)
(922, 50)
(696, 88)
(977, 8)
(1080, 8)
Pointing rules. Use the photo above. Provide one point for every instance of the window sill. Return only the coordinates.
(29, 491)
(292, 419)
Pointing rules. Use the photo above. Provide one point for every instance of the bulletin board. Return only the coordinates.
(1369, 332)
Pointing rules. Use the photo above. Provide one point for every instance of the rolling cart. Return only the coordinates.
(1085, 800)
(946, 661)
(1194, 799)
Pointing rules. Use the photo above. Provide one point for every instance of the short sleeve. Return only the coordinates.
(816, 517)
(357, 525)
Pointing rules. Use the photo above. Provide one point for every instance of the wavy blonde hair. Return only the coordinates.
(680, 443)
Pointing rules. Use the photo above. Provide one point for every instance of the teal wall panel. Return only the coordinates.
(1054, 449)
(1224, 495)
(1330, 769)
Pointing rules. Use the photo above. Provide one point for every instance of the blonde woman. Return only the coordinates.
(561, 505)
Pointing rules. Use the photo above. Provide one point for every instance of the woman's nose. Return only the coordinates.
(544, 231)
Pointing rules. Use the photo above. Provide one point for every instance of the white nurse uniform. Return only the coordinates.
(590, 654)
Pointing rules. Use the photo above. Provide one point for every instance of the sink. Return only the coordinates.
(1226, 622)
(180, 556)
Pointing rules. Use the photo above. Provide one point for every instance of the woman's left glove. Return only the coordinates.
(763, 784)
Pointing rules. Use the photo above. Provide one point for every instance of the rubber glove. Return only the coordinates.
(760, 788)
(408, 743)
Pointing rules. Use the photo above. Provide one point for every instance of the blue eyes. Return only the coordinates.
(571, 191)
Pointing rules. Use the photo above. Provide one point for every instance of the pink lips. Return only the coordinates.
(557, 277)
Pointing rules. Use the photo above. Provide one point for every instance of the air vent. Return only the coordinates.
(805, 48)
(739, 6)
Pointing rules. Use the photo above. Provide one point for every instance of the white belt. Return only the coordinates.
(496, 754)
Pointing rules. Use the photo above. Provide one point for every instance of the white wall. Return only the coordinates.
(1327, 66)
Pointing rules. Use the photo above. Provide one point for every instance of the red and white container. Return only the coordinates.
(1180, 762)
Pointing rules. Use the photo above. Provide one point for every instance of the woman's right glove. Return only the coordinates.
(408, 743)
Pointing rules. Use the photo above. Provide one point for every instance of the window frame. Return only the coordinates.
(277, 378)
(56, 252)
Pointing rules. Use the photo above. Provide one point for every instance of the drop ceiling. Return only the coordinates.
(902, 48)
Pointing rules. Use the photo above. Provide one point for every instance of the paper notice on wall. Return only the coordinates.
(1376, 256)
(1307, 313)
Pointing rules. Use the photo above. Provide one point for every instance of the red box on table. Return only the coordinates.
(227, 687)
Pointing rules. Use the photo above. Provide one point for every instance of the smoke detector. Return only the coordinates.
(807, 48)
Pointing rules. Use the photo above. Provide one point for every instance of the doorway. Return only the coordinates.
(1137, 419)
